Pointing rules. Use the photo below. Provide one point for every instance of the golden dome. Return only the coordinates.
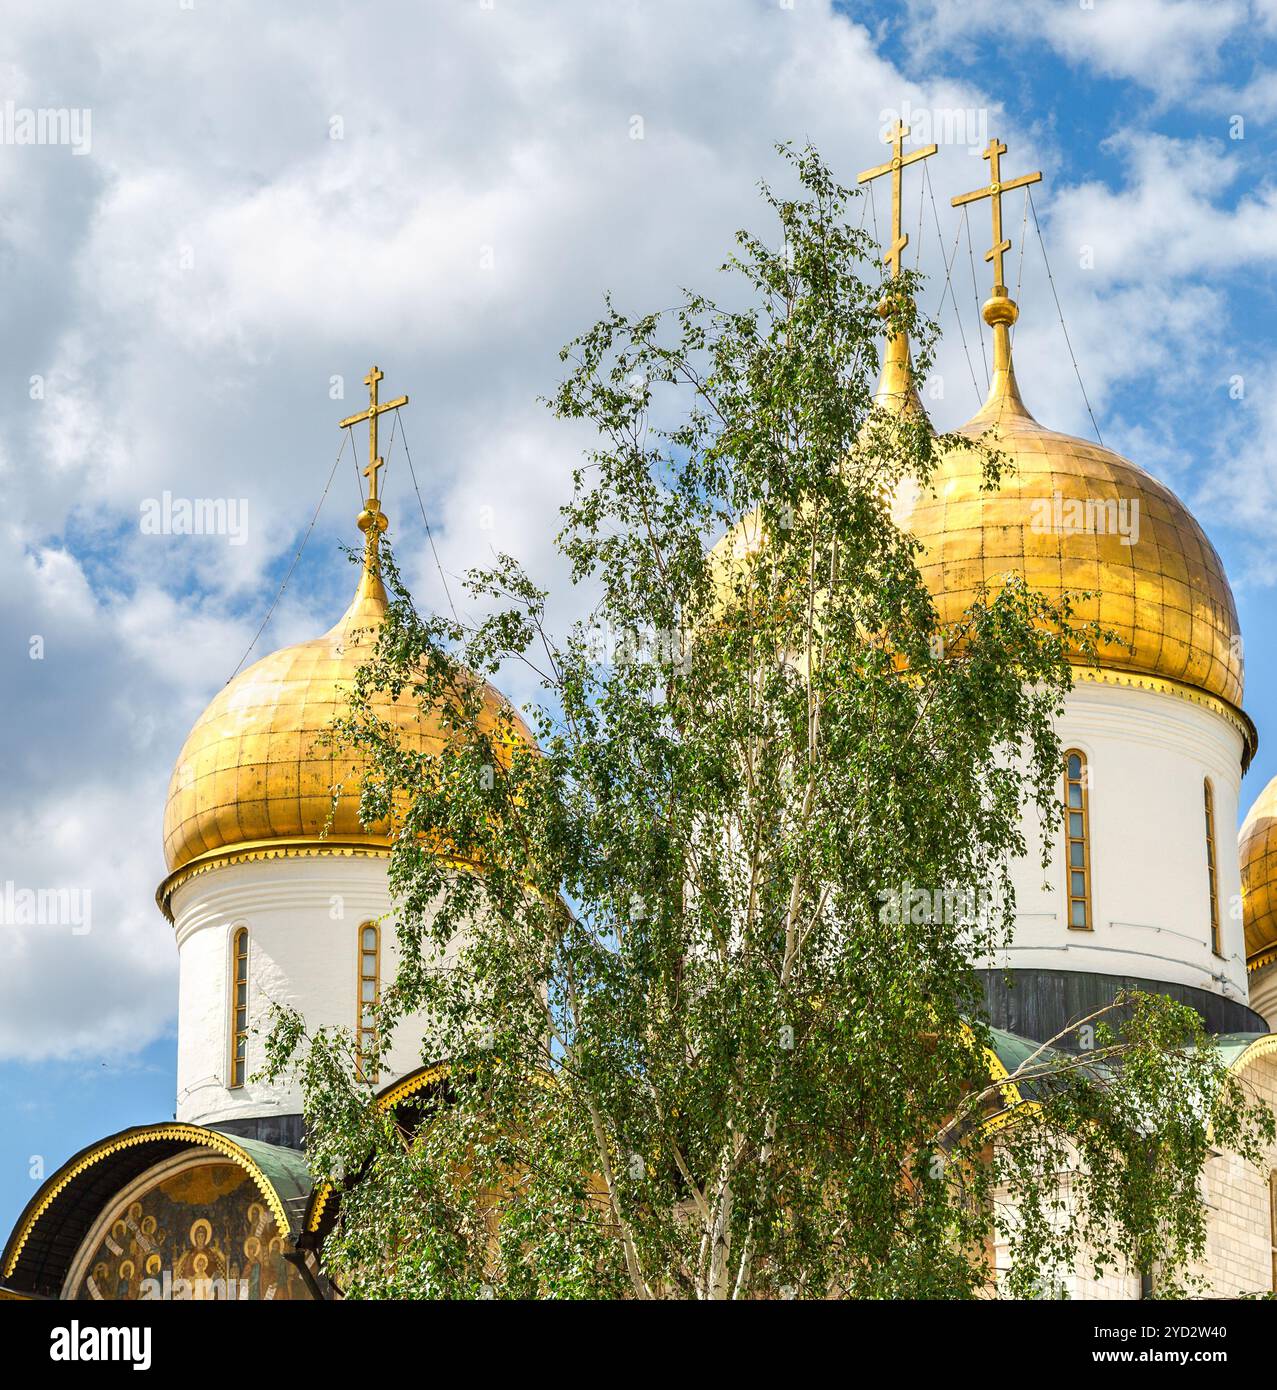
(1072, 515)
(255, 778)
(1258, 841)
(897, 396)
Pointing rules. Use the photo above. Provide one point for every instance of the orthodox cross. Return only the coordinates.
(374, 410)
(996, 188)
(895, 137)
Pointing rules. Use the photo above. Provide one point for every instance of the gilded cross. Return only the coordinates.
(374, 410)
(895, 167)
(994, 191)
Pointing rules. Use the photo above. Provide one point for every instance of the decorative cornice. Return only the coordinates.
(249, 894)
(1261, 1047)
(1262, 958)
(194, 1134)
(399, 1091)
(1159, 721)
(1162, 685)
(253, 850)
(1012, 1098)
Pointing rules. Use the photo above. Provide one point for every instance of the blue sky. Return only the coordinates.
(261, 210)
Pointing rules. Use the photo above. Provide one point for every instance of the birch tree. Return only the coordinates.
(702, 1042)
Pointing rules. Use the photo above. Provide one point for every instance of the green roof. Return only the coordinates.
(285, 1169)
(1013, 1051)
(1230, 1046)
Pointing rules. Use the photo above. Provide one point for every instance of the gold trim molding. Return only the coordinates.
(195, 1134)
(410, 1085)
(1261, 1047)
(1162, 685)
(253, 850)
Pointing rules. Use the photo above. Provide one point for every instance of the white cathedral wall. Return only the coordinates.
(1083, 1283)
(1148, 754)
(1241, 1222)
(1240, 1200)
(303, 918)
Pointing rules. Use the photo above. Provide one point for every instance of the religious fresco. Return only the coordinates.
(202, 1233)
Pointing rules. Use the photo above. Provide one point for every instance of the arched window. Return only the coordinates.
(369, 993)
(1211, 874)
(239, 1006)
(1272, 1223)
(1077, 829)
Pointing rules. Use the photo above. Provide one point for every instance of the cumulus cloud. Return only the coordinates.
(195, 305)
(273, 201)
(1175, 48)
(1171, 217)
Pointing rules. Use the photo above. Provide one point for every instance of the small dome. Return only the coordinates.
(255, 776)
(1258, 844)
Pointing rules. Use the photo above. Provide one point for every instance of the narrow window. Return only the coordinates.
(239, 1005)
(1212, 877)
(1078, 837)
(369, 991)
(1272, 1223)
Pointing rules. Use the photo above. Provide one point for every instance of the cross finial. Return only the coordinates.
(994, 191)
(375, 462)
(895, 137)
(372, 520)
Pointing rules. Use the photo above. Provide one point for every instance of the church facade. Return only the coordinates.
(277, 893)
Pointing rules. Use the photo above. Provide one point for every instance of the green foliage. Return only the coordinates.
(1127, 1125)
(693, 1052)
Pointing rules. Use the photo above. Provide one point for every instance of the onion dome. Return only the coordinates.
(1068, 516)
(1074, 516)
(895, 402)
(256, 777)
(896, 397)
(1258, 844)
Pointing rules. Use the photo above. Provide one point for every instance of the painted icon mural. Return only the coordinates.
(188, 1229)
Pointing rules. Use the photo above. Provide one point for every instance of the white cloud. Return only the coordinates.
(1240, 480)
(189, 290)
(1171, 47)
(1171, 218)
(196, 283)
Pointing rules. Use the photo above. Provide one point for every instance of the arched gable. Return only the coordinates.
(58, 1219)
